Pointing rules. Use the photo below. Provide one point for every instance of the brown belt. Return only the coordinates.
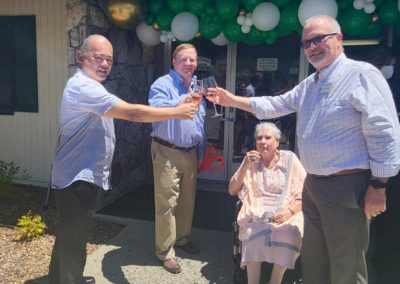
(344, 172)
(170, 145)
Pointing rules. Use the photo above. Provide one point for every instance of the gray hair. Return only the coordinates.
(85, 45)
(332, 22)
(270, 127)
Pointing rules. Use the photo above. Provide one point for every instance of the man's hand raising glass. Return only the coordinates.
(186, 108)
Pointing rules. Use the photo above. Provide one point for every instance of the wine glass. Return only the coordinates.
(210, 82)
(197, 91)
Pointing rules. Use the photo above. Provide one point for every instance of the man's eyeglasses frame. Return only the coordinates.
(316, 40)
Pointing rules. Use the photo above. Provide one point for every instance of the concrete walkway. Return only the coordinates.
(129, 258)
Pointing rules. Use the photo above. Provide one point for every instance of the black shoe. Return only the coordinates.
(189, 248)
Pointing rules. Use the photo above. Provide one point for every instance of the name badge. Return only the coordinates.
(326, 88)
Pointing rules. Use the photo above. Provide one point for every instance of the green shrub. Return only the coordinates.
(9, 174)
(28, 227)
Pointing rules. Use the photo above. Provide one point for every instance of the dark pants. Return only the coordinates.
(69, 252)
(335, 229)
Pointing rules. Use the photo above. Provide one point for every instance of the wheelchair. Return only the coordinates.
(239, 275)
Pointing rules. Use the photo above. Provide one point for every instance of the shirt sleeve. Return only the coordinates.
(272, 107)
(380, 126)
(160, 95)
(93, 97)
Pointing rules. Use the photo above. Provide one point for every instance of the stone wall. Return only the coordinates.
(135, 68)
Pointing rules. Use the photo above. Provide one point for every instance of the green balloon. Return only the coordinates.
(378, 3)
(353, 22)
(282, 30)
(232, 31)
(254, 37)
(150, 19)
(273, 34)
(197, 7)
(227, 9)
(270, 41)
(211, 10)
(155, 6)
(344, 4)
(249, 5)
(289, 19)
(372, 31)
(177, 6)
(210, 29)
(389, 13)
(164, 19)
(280, 3)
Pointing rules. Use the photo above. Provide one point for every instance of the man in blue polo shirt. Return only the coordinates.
(86, 141)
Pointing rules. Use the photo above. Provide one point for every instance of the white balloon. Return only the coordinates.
(220, 40)
(359, 4)
(309, 8)
(241, 19)
(369, 8)
(398, 5)
(369, 1)
(147, 35)
(170, 36)
(184, 26)
(163, 38)
(266, 16)
(245, 29)
(248, 22)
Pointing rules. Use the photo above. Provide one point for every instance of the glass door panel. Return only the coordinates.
(264, 70)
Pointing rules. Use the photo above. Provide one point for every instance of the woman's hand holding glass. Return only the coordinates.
(253, 156)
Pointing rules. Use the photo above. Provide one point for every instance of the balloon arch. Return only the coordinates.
(256, 21)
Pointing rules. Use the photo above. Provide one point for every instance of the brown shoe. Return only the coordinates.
(172, 265)
(189, 247)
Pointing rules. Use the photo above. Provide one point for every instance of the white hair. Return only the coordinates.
(269, 127)
(332, 22)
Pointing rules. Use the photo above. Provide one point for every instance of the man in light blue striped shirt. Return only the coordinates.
(176, 148)
(349, 143)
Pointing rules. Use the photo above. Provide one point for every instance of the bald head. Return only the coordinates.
(93, 40)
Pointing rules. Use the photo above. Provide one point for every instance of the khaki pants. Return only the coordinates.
(175, 173)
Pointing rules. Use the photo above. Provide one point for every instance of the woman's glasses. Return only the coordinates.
(316, 40)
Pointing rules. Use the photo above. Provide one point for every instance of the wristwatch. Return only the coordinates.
(377, 184)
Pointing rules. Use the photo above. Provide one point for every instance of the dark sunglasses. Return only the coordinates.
(316, 40)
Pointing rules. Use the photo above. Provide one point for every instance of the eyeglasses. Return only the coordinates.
(316, 40)
(100, 59)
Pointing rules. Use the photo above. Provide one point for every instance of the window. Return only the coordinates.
(18, 71)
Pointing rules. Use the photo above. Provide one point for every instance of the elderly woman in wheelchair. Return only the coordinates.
(269, 183)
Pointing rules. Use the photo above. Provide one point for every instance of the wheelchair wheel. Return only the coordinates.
(239, 275)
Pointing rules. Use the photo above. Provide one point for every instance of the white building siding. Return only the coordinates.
(29, 138)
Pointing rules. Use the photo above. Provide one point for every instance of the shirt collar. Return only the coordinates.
(177, 77)
(322, 74)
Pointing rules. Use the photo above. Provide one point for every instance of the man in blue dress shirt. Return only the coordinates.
(81, 166)
(349, 144)
(176, 147)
